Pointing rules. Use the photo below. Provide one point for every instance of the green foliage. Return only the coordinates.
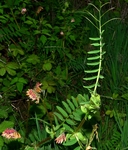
(96, 55)
(71, 117)
(116, 59)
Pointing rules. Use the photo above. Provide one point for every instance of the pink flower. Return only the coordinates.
(34, 96)
(37, 87)
(23, 11)
(61, 138)
(11, 134)
(62, 33)
(34, 93)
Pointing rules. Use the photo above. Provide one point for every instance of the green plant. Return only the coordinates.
(116, 59)
(86, 107)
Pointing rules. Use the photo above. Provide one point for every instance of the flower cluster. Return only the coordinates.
(34, 94)
(11, 134)
(61, 138)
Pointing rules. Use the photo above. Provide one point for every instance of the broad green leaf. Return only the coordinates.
(115, 95)
(22, 80)
(2, 64)
(11, 71)
(6, 124)
(2, 71)
(19, 86)
(6, 82)
(1, 11)
(44, 84)
(43, 39)
(84, 109)
(48, 25)
(47, 66)
(3, 113)
(1, 80)
(20, 51)
(72, 37)
(33, 59)
(50, 89)
(28, 22)
(15, 80)
(36, 32)
(108, 112)
(77, 148)
(1, 142)
(16, 50)
(12, 65)
(51, 82)
(79, 112)
(80, 136)
(125, 96)
(46, 32)
(70, 142)
(58, 70)
(62, 111)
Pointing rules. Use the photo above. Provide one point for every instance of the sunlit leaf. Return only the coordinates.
(47, 66)
(33, 59)
(12, 65)
(6, 124)
(11, 71)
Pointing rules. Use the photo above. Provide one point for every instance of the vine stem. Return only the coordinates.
(80, 125)
(14, 18)
(100, 35)
(43, 141)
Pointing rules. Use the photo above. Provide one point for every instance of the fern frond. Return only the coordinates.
(6, 33)
(113, 142)
(70, 114)
(95, 57)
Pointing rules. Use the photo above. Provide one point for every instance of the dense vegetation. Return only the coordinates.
(63, 75)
